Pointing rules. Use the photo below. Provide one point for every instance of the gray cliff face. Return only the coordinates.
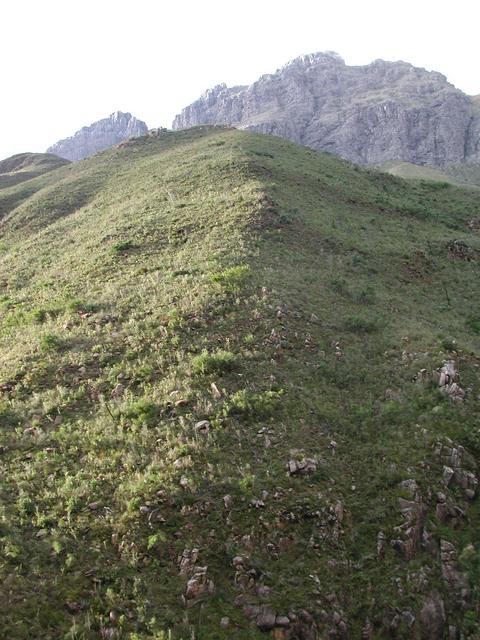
(99, 135)
(368, 114)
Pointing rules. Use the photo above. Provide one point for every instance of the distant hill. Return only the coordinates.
(24, 166)
(98, 136)
(384, 111)
(239, 397)
(462, 174)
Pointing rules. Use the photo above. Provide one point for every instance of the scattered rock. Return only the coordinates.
(266, 620)
(74, 607)
(474, 223)
(198, 586)
(453, 472)
(187, 561)
(448, 378)
(118, 391)
(380, 543)
(282, 621)
(228, 501)
(432, 618)
(408, 618)
(302, 466)
(460, 249)
(450, 571)
(203, 427)
(251, 611)
(215, 391)
(415, 514)
(449, 514)
(367, 631)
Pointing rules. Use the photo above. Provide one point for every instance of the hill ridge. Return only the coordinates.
(221, 357)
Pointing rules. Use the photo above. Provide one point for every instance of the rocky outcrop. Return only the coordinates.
(99, 136)
(367, 114)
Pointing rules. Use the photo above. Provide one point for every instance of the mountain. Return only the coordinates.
(25, 166)
(98, 136)
(239, 397)
(369, 114)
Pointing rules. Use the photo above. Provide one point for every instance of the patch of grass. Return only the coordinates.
(142, 412)
(123, 245)
(253, 405)
(233, 278)
(359, 324)
(215, 362)
(50, 342)
(473, 323)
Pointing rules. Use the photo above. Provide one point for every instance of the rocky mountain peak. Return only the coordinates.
(314, 59)
(98, 136)
(369, 114)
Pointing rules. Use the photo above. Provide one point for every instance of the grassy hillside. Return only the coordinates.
(25, 166)
(210, 422)
(24, 174)
(464, 174)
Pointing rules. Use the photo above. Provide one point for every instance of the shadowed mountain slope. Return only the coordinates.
(220, 410)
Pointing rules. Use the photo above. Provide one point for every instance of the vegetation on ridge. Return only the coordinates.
(209, 341)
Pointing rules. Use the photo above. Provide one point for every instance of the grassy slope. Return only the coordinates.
(463, 174)
(24, 174)
(124, 269)
(25, 166)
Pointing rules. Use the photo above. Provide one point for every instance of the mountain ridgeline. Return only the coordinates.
(239, 397)
(369, 114)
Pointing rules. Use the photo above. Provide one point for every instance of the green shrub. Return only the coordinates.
(39, 315)
(339, 285)
(76, 305)
(449, 344)
(232, 278)
(357, 324)
(473, 323)
(470, 438)
(124, 245)
(253, 405)
(216, 362)
(142, 411)
(367, 295)
(49, 342)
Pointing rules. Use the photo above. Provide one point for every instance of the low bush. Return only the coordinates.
(216, 362)
(357, 324)
(232, 278)
(253, 405)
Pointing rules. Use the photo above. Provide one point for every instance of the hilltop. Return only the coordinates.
(25, 166)
(370, 114)
(239, 397)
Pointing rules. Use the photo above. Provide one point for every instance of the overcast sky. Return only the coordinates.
(67, 63)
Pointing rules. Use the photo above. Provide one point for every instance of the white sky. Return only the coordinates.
(67, 63)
